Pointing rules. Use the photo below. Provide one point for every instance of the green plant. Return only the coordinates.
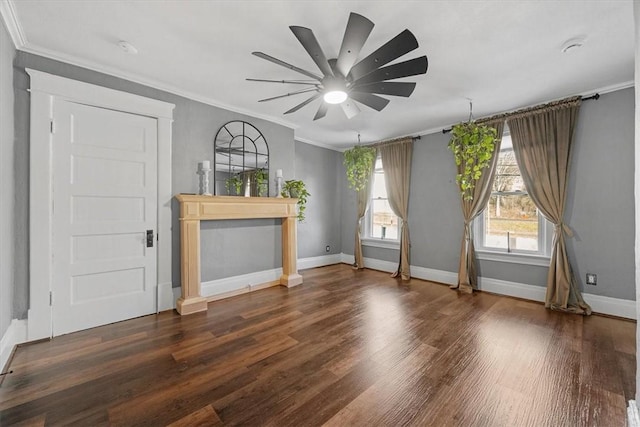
(359, 162)
(262, 181)
(296, 189)
(472, 146)
(234, 182)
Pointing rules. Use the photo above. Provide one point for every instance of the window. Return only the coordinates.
(381, 223)
(511, 223)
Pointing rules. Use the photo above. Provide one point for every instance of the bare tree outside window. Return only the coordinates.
(511, 219)
(383, 223)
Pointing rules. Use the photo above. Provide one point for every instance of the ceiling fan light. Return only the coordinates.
(335, 97)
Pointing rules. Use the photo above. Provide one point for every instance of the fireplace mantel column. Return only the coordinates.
(194, 209)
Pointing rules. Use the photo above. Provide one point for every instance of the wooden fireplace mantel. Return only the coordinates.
(194, 209)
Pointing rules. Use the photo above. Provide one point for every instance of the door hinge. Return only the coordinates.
(53, 126)
(51, 298)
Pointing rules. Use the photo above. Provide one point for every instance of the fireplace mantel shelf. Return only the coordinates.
(194, 209)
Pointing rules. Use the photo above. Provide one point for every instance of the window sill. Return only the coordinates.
(381, 243)
(514, 258)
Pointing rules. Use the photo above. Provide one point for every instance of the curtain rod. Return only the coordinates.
(391, 141)
(584, 98)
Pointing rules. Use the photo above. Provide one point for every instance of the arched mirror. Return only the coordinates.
(241, 161)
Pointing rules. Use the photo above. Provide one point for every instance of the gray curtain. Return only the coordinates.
(396, 161)
(467, 274)
(542, 139)
(364, 196)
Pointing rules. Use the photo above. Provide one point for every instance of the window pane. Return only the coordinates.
(511, 222)
(384, 224)
(507, 178)
(379, 190)
(378, 164)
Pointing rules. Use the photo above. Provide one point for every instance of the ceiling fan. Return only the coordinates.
(346, 84)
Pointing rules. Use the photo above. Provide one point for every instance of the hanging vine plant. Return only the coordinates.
(359, 162)
(472, 146)
(297, 189)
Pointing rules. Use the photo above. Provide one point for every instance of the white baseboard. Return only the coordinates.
(381, 265)
(347, 259)
(633, 416)
(16, 334)
(167, 296)
(612, 306)
(433, 275)
(236, 283)
(599, 304)
(319, 261)
(512, 289)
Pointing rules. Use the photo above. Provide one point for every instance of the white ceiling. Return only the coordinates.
(501, 54)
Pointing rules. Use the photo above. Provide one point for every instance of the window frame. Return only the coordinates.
(540, 257)
(367, 239)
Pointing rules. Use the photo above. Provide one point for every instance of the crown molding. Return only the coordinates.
(10, 18)
(602, 90)
(12, 24)
(318, 144)
(114, 72)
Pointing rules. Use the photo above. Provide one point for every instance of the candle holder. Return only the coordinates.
(279, 182)
(203, 170)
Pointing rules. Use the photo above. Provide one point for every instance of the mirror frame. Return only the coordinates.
(249, 134)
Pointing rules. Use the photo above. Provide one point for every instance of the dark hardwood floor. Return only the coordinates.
(345, 348)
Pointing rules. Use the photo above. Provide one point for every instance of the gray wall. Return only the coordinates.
(7, 205)
(195, 125)
(600, 205)
(317, 167)
(600, 202)
(599, 208)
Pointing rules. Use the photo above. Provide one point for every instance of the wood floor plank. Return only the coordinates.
(348, 347)
(202, 417)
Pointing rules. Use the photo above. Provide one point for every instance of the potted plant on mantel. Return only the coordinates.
(262, 180)
(234, 182)
(472, 146)
(358, 162)
(296, 189)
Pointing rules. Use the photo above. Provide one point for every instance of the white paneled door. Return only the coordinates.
(104, 218)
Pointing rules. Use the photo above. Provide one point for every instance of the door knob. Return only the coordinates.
(149, 238)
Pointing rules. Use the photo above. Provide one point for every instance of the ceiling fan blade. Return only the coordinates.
(288, 94)
(287, 65)
(311, 45)
(355, 35)
(302, 104)
(408, 68)
(322, 111)
(387, 88)
(403, 43)
(293, 82)
(370, 100)
(350, 108)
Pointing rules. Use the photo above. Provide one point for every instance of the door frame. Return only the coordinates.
(47, 89)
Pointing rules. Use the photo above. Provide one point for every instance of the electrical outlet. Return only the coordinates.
(327, 249)
(592, 279)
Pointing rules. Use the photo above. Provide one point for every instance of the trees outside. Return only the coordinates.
(511, 213)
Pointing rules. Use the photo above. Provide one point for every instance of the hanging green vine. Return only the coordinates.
(262, 181)
(472, 146)
(297, 189)
(359, 162)
(234, 182)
